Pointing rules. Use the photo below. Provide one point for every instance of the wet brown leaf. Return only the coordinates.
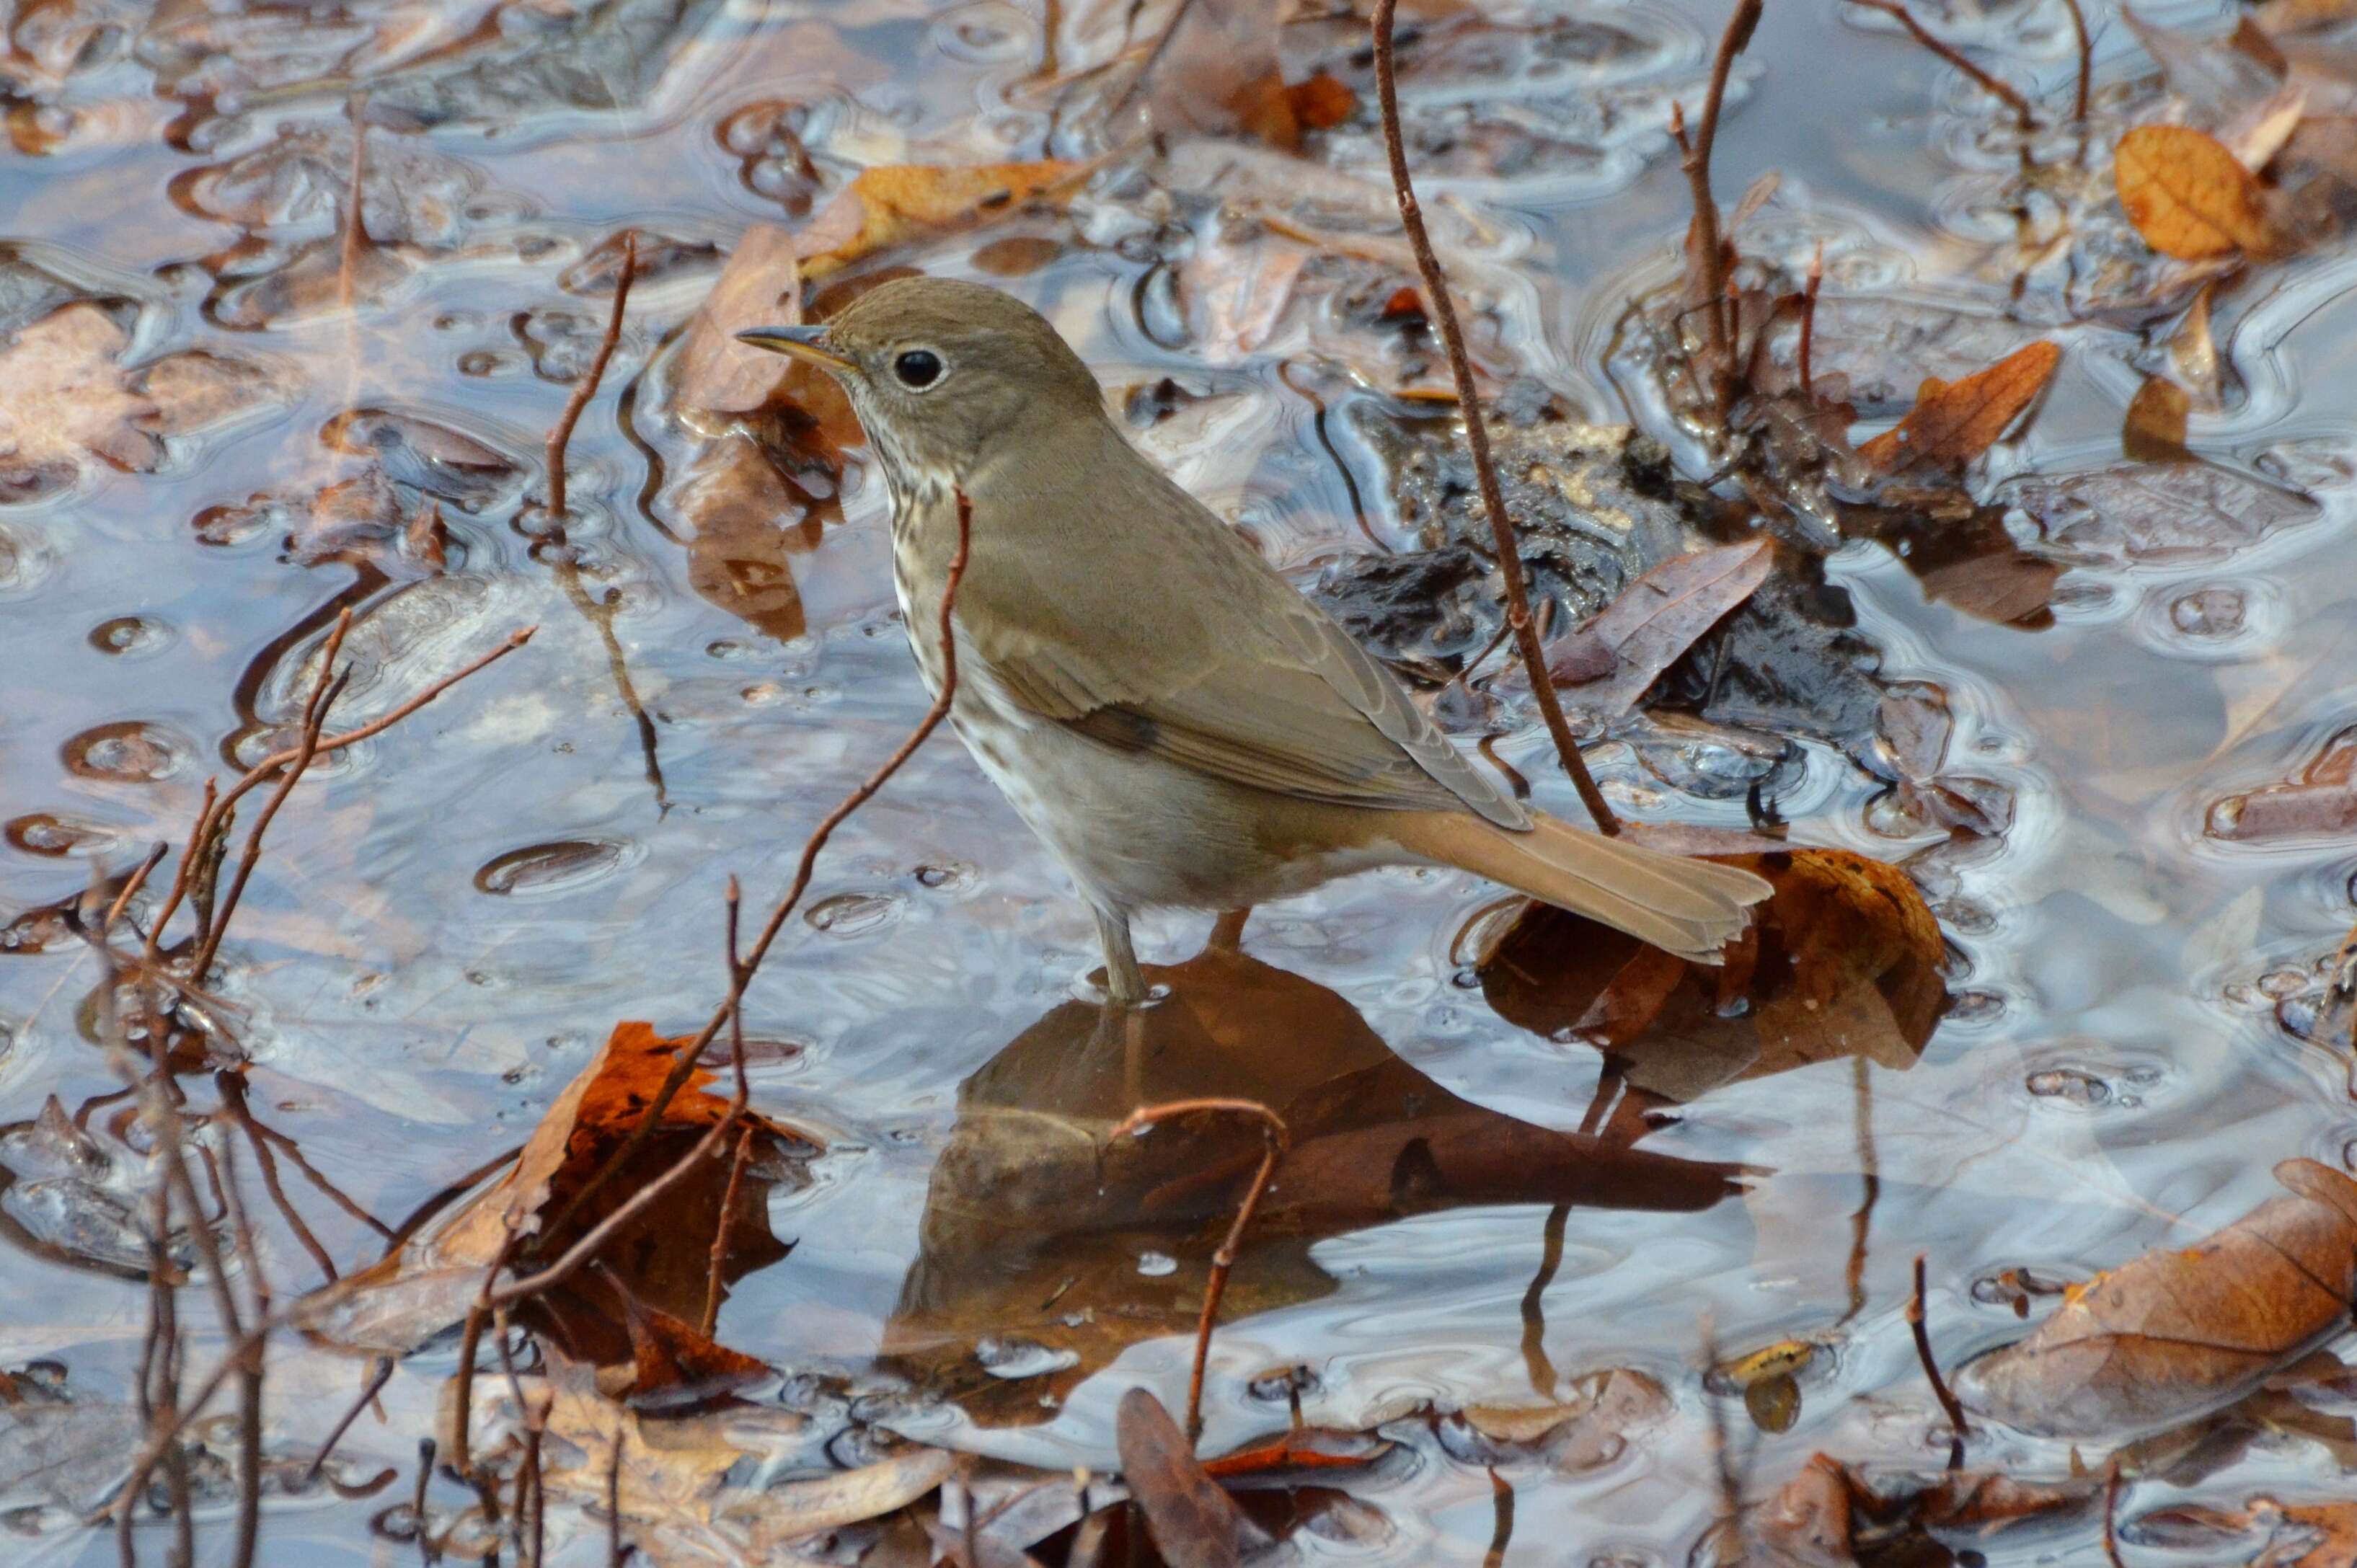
(1954, 422)
(2188, 196)
(2181, 1332)
(1590, 1428)
(64, 400)
(1656, 618)
(749, 522)
(671, 1362)
(1193, 1522)
(2323, 800)
(760, 286)
(2153, 431)
(1844, 959)
(430, 1282)
(900, 202)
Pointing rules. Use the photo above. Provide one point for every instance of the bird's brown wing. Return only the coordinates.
(1223, 669)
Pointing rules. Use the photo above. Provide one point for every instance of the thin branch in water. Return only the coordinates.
(381, 1375)
(1443, 313)
(1809, 318)
(561, 433)
(355, 238)
(712, 1284)
(683, 1061)
(614, 1502)
(2086, 60)
(1955, 1411)
(1502, 1532)
(1276, 1140)
(1708, 248)
(1992, 85)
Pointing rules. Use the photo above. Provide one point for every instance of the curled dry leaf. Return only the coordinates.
(2181, 1332)
(1843, 960)
(760, 286)
(1657, 618)
(2189, 196)
(1954, 422)
(898, 202)
(429, 1284)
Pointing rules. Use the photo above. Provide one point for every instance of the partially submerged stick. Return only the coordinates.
(560, 435)
(1276, 1140)
(1940, 1389)
(1477, 432)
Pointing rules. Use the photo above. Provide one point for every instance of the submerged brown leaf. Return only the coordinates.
(1954, 422)
(760, 286)
(2154, 430)
(2189, 196)
(2322, 799)
(2181, 1332)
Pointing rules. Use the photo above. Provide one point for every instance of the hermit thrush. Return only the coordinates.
(1180, 725)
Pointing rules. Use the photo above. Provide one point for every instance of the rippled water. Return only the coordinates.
(453, 917)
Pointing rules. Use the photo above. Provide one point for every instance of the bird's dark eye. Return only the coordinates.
(919, 368)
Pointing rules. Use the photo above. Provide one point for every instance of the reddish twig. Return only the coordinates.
(1954, 56)
(1955, 1411)
(1809, 317)
(1443, 313)
(2086, 60)
(325, 688)
(1695, 158)
(215, 810)
(683, 1061)
(1277, 1140)
(720, 1232)
(355, 236)
(561, 433)
(368, 1391)
(1502, 1532)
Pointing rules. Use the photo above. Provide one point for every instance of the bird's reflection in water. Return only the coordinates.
(1044, 1251)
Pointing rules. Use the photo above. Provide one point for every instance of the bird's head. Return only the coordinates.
(940, 371)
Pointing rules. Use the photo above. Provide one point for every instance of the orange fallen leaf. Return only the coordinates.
(2188, 196)
(899, 202)
(1321, 102)
(1954, 423)
(2179, 1332)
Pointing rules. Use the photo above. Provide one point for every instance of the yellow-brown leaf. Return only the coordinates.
(1954, 423)
(2188, 196)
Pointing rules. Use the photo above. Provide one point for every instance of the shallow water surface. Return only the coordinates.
(1480, 1209)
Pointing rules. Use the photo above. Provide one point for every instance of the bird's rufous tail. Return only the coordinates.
(1691, 908)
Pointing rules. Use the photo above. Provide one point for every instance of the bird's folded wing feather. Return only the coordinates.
(1255, 685)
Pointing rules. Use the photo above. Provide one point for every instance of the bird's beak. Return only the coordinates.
(805, 343)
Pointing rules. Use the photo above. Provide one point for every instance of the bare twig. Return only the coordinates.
(561, 433)
(683, 1061)
(325, 688)
(1954, 56)
(1708, 248)
(2086, 60)
(614, 1502)
(1477, 432)
(1956, 1412)
(1809, 317)
(381, 1375)
(1501, 1532)
(215, 810)
(712, 1283)
(1276, 1140)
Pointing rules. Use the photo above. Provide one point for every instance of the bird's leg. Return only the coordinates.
(1227, 931)
(1124, 985)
